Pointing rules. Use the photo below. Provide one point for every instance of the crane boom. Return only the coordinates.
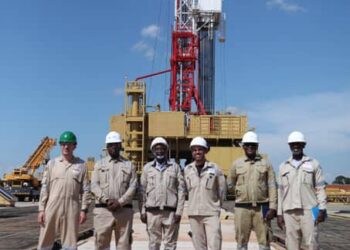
(40, 155)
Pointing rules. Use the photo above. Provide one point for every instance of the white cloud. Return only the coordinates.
(150, 31)
(140, 46)
(284, 5)
(324, 118)
(149, 34)
(144, 48)
(119, 91)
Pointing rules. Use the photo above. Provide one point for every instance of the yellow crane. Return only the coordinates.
(21, 182)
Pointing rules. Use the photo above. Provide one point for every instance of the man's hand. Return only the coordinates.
(144, 218)
(280, 222)
(113, 204)
(41, 218)
(321, 216)
(177, 218)
(82, 217)
(271, 214)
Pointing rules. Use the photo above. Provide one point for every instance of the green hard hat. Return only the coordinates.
(68, 136)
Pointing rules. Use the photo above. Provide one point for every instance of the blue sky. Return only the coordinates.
(63, 64)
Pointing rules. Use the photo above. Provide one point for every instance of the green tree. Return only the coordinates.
(340, 179)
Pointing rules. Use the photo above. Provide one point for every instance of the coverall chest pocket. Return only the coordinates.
(308, 177)
(171, 180)
(241, 176)
(192, 181)
(103, 174)
(261, 172)
(285, 179)
(209, 183)
(241, 189)
(76, 174)
(151, 182)
(262, 182)
(126, 176)
(76, 184)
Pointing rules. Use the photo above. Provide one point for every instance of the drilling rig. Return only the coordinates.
(192, 85)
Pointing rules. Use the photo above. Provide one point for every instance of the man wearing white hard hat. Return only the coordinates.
(113, 184)
(253, 180)
(162, 197)
(301, 196)
(206, 188)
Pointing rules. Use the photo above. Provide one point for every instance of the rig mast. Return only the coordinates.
(193, 57)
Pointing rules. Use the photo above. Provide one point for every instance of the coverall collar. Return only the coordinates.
(167, 163)
(120, 158)
(258, 157)
(304, 159)
(207, 165)
(62, 159)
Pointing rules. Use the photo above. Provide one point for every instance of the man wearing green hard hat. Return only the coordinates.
(65, 181)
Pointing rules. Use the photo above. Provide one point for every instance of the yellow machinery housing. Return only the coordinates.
(21, 182)
(338, 193)
(139, 127)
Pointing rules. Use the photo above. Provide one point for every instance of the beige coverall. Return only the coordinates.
(300, 189)
(162, 197)
(113, 179)
(206, 192)
(62, 185)
(254, 183)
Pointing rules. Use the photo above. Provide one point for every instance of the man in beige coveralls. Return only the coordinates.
(65, 179)
(162, 197)
(253, 180)
(301, 190)
(206, 188)
(113, 184)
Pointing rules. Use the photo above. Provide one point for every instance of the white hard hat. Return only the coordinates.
(113, 137)
(296, 136)
(199, 141)
(159, 140)
(250, 137)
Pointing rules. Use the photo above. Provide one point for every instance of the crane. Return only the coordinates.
(21, 182)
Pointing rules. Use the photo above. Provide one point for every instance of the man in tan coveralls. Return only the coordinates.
(65, 179)
(301, 190)
(253, 180)
(162, 197)
(206, 188)
(113, 184)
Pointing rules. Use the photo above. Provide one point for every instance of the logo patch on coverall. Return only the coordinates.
(307, 166)
(76, 171)
(212, 171)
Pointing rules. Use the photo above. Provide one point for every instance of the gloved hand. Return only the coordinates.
(271, 214)
(321, 216)
(113, 204)
(177, 218)
(280, 221)
(144, 218)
